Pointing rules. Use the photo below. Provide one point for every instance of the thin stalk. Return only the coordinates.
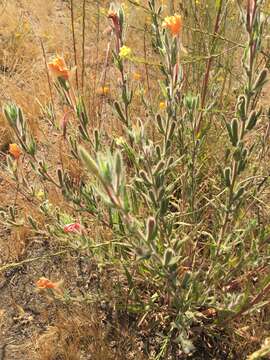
(92, 102)
(208, 68)
(102, 81)
(48, 76)
(145, 62)
(172, 7)
(83, 43)
(74, 41)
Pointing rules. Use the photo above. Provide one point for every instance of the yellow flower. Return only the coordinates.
(125, 52)
(173, 23)
(162, 105)
(104, 11)
(58, 68)
(137, 76)
(120, 141)
(103, 90)
(15, 151)
(220, 78)
(140, 92)
(40, 195)
(125, 8)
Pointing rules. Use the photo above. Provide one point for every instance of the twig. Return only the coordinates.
(26, 261)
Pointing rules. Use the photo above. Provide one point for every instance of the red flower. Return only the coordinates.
(73, 228)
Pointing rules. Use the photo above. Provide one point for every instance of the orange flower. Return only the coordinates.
(137, 76)
(173, 23)
(15, 151)
(211, 312)
(44, 283)
(58, 68)
(103, 90)
(112, 14)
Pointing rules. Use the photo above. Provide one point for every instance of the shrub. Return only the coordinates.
(180, 217)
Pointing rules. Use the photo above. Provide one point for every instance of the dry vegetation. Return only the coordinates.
(176, 273)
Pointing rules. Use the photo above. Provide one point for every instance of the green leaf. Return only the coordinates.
(163, 89)
(88, 161)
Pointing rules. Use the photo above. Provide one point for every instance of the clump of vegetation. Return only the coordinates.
(170, 201)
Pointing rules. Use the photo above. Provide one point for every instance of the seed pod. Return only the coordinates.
(151, 229)
(186, 280)
(159, 182)
(241, 107)
(227, 176)
(159, 167)
(163, 207)
(145, 177)
(168, 144)
(158, 151)
(83, 132)
(237, 154)
(119, 111)
(160, 123)
(60, 177)
(12, 212)
(167, 257)
(160, 194)
(229, 129)
(33, 223)
(239, 193)
(227, 154)
(244, 153)
(118, 164)
(261, 80)
(171, 131)
(252, 120)
(235, 135)
(152, 197)
(143, 253)
(96, 137)
(241, 166)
